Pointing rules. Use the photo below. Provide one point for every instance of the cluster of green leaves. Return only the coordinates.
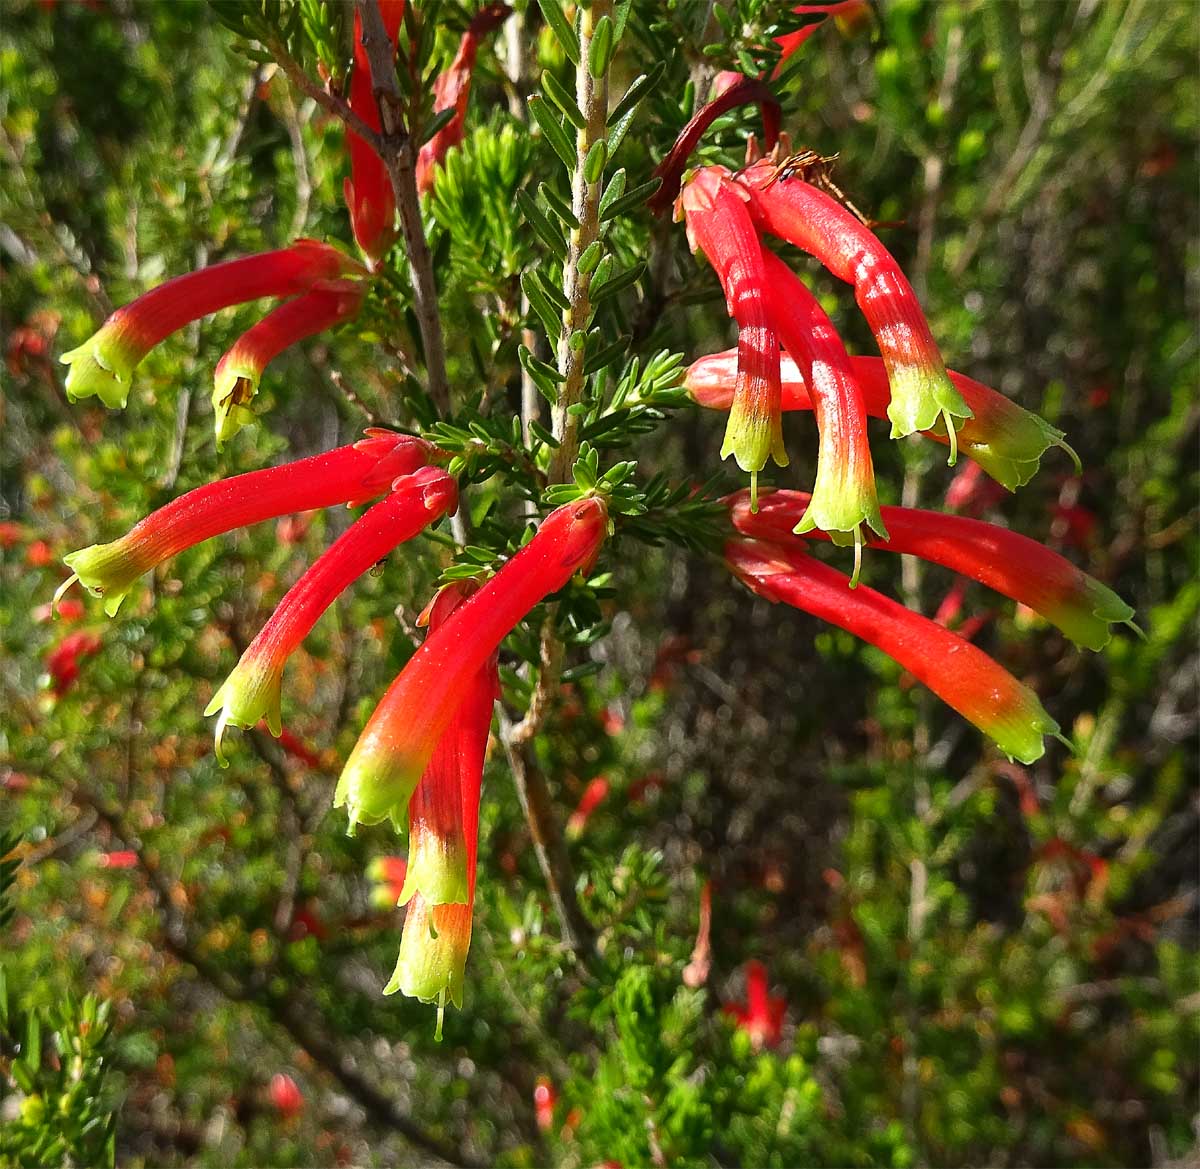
(53, 1068)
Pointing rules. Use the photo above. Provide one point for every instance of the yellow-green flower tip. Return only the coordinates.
(100, 368)
(437, 869)
(252, 692)
(106, 571)
(920, 397)
(234, 385)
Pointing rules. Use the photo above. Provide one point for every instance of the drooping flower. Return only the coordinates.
(399, 740)
(762, 1015)
(252, 690)
(368, 188)
(236, 378)
(351, 474)
(798, 212)
(719, 225)
(103, 365)
(1005, 439)
(964, 677)
(443, 818)
(843, 496)
(1014, 565)
(452, 90)
(695, 973)
(437, 850)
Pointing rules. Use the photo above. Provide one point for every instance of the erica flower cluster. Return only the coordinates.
(418, 764)
(789, 357)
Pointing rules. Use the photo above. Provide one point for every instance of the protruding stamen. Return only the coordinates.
(951, 437)
(62, 588)
(858, 551)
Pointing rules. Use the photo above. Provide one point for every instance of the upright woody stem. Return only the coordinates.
(398, 154)
(591, 96)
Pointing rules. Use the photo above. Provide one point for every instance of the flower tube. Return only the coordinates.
(762, 1015)
(848, 14)
(1005, 439)
(399, 740)
(796, 211)
(433, 946)
(236, 378)
(252, 690)
(964, 677)
(103, 365)
(452, 90)
(437, 852)
(350, 474)
(719, 225)
(843, 497)
(1014, 565)
(368, 188)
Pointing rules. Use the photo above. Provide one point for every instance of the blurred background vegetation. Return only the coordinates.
(982, 963)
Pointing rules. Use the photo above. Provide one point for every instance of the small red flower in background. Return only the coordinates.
(125, 859)
(452, 90)
(62, 662)
(39, 554)
(388, 873)
(544, 1100)
(286, 1097)
(593, 796)
(68, 610)
(762, 1015)
(10, 533)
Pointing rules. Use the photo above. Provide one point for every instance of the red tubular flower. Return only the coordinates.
(739, 91)
(695, 973)
(104, 363)
(762, 1016)
(252, 690)
(236, 378)
(437, 850)
(452, 90)
(847, 13)
(443, 818)
(843, 497)
(399, 740)
(350, 474)
(368, 189)
(964, 677)
(719, 225)
(793, 210)
(593, 796)
(1005, 439)
(62, 662)
(1012, 564)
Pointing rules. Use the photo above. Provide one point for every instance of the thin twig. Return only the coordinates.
(328, 100)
